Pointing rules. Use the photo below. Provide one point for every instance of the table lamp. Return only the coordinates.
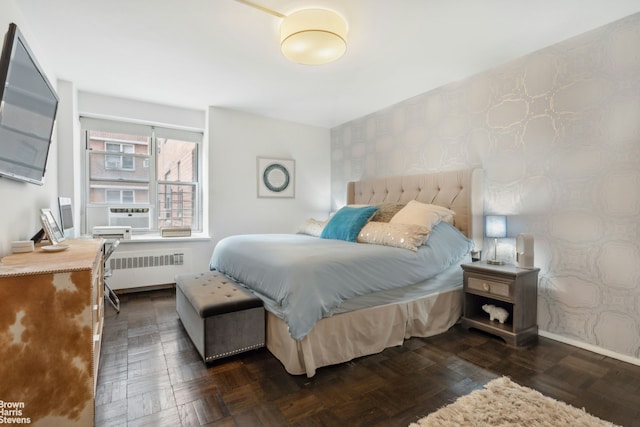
(495, 226)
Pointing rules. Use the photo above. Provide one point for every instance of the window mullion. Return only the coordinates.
(86, 188)
(153, 180)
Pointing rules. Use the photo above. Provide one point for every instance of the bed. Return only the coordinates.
(395, 292)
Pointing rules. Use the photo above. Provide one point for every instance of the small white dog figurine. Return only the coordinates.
(498, 313)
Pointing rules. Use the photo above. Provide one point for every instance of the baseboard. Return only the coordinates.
(593, 348)
(144, 288)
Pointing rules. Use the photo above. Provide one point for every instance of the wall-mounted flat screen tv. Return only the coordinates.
(28, 106)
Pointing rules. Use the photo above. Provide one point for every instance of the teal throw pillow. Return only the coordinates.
(347, 223)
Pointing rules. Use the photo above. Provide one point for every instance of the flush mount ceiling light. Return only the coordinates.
(313, 36)
(310, 36)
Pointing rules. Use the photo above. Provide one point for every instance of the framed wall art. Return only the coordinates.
(276, 177)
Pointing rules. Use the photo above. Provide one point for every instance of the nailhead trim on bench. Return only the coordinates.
(231, 353)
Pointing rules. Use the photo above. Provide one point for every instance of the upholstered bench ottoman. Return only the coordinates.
(220, 317)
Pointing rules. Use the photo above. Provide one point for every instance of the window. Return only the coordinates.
(140, 175)
(119, 162)
(119, 197)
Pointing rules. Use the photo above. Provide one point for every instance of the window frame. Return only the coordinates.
(155, 182)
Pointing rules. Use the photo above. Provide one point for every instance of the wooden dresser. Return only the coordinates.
(51, 317)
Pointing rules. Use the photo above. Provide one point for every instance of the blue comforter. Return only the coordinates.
(303, 278)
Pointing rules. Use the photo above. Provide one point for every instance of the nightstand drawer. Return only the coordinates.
(490, 286)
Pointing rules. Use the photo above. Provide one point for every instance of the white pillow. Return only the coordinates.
(445, 214)
(424, 214)
(312, 227)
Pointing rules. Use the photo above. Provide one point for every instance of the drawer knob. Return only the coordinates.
(485, 286)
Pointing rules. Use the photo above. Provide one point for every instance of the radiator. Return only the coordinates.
(147, 260)
(134, 269)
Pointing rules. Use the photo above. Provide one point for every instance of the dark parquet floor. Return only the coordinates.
(150, 374)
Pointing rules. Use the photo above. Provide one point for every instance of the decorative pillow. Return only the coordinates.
(386, 211)
(446, 215)
(406, 236)
(347, 223)
(424, 214)
(312, 227)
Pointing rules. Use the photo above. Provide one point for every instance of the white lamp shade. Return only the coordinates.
(313, 36)
(495, 226)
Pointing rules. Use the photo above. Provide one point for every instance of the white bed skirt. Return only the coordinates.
(345, 336)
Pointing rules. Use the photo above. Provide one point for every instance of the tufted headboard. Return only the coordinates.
(461, 191)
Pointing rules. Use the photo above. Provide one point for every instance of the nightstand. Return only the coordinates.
(507, 286)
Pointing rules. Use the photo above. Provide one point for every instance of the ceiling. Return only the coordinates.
(200, 53)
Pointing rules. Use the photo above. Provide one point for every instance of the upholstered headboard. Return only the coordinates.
(461, 191)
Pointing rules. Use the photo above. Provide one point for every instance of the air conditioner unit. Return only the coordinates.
(136, 218)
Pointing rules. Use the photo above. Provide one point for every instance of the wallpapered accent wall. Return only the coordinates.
(558, 135)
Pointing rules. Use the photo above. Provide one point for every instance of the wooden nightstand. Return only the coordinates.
(507, 286)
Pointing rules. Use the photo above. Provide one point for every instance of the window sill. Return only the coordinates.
(156, 238)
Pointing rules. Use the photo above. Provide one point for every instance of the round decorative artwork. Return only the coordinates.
(276, 177)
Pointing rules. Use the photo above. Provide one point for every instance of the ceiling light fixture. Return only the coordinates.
(313, 36)
(310, 36)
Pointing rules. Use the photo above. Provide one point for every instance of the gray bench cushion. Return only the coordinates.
(213, 293)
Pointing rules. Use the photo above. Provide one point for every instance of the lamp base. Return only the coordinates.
(495, 262)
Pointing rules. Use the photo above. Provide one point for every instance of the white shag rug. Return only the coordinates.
(505, 403)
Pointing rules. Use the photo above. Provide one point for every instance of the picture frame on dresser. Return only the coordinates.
(50, 226)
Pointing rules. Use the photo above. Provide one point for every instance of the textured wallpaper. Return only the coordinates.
(558, 135)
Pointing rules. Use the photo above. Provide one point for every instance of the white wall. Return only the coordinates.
(70, 152)
(236, 139)
(21, 202)
(128, 109)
